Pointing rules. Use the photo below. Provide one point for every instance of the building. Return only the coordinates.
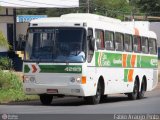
(7, 24)
(15, 31)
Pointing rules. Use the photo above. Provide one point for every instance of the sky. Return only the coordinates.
(39, 3)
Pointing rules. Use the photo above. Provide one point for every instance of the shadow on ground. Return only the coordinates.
(70, 101)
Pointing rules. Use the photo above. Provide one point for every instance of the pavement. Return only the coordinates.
(117, 107)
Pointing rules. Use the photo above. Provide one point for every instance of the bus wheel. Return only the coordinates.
(142, 91)
(134, 94)
(46, 99)
(95, 99)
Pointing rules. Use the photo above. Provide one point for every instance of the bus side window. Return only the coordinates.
(137, 44)
(109, 40)
(152, 46)
(99, 36)
(90, 44)
(128, 40)
(144, 45)
(119, 41)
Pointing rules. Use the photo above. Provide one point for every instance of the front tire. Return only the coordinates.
(134, 94)
(46, 99)
(95, 99)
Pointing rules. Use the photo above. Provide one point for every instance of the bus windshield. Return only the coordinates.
(56, 45)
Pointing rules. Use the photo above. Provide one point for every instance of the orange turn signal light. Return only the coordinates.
(83, 79)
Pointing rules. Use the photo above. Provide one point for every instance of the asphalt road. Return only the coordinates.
(115, 104)
(117, 107)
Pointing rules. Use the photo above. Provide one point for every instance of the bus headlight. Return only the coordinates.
(78, 80)
(27, 79)
(32, 79)
(75, 79)
(72, 80)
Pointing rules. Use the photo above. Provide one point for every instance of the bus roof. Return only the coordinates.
(94, 21)
(88, 17)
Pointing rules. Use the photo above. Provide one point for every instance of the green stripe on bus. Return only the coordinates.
(108, 59)
(126, 75)
(57, 69)
(138, 61)
(148, 62)
(26, 69)
(60, 68)
(105, 59)
(97, 58)
(129, 60)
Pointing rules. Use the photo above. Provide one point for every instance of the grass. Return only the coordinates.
(11, 88)
(12, 95)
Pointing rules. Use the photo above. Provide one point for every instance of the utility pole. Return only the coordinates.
(88, 6)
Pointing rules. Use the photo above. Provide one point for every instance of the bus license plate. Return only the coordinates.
(53, 91)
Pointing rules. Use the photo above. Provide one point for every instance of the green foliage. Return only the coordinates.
(150, 7)
(5, 63)
(3, 41)
(9, 80)
(110, 8)
(58, 12)
(11, 88)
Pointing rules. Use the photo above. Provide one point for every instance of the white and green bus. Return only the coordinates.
(89, 56)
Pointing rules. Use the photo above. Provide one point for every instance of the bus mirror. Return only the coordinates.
(93, 42)
(89, 37)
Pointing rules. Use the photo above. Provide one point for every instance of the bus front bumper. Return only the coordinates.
(71, 90)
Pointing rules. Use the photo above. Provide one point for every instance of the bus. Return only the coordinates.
(89, 56)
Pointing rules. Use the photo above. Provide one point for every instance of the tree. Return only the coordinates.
(3, 41)
(150, 7)
(111, 8)
(56, 12)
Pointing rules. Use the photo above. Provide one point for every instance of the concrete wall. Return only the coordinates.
(3, 11)
(5, 18)
(22, 28)
(21, 31)
(3, 29)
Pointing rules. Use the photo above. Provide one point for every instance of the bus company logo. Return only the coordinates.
(117, 61)
(153, 62)
(106, 63)
(103, 61)
(4, 116)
